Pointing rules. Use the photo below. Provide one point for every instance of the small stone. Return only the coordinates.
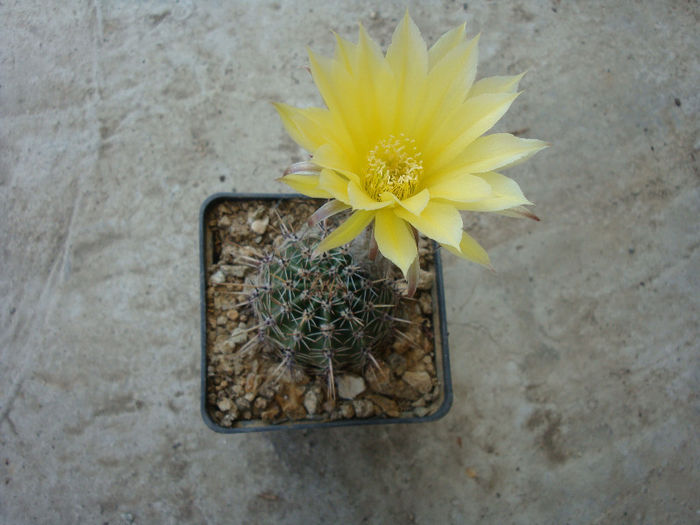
(419, 380)
(311, 402)
(401, 345)
(249, 251)
(252, 383)
(232, 314)
(347, 411)
(228, 254)
(232, 414)
(260, 225)
(243, 403)
(271, 413)
(291, 403)
(257, 213)
(221, 320)
(266, 392)
(397, 363)
(426, 304)
(224, 404)
(434, 393)
(380, 378)
(299, 377)
(225, 221)
(386, 405)
(420, 411)
(350, 386)
(328, 406)
(402, 390)
(416, 356)
(234, 270)
(238, 336)
(425, 280)
(217, 277)
(260, 404)
(363, 408)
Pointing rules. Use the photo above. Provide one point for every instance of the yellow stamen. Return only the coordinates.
(393, 165)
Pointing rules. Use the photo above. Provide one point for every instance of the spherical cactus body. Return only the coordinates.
(322, 312)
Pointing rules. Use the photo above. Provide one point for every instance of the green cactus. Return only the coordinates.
(321, 312)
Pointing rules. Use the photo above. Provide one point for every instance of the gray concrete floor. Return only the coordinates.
(576, 366)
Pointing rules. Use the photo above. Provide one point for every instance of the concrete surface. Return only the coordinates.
(576, 366)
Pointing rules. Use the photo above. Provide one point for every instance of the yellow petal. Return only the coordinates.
(445, 44)
(408, 57)
(345, 53)
(439, 221)
(374, 86)
(505, 194)
(331, 158)
(313, 127)
(448, 83)
(347, 231)
(322, 72)
(407, 54)
(470, 249)
(414, 204)
(359, 200)
(474, 118)
(336, 185)
(507, 84)
(337, 88)
(491, 152)
(417, 203)
(303, 130)
(395, 239)
(306, 185)
(460, 187)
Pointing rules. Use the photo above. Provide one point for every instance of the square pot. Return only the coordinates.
(216, 241)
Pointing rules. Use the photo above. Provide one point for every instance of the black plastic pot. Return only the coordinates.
(442, 361)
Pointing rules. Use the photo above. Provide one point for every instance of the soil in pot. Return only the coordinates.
(244, 388)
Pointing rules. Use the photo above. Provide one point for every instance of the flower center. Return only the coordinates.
(393, 165)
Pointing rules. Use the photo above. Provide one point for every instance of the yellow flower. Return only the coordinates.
(400, 142)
